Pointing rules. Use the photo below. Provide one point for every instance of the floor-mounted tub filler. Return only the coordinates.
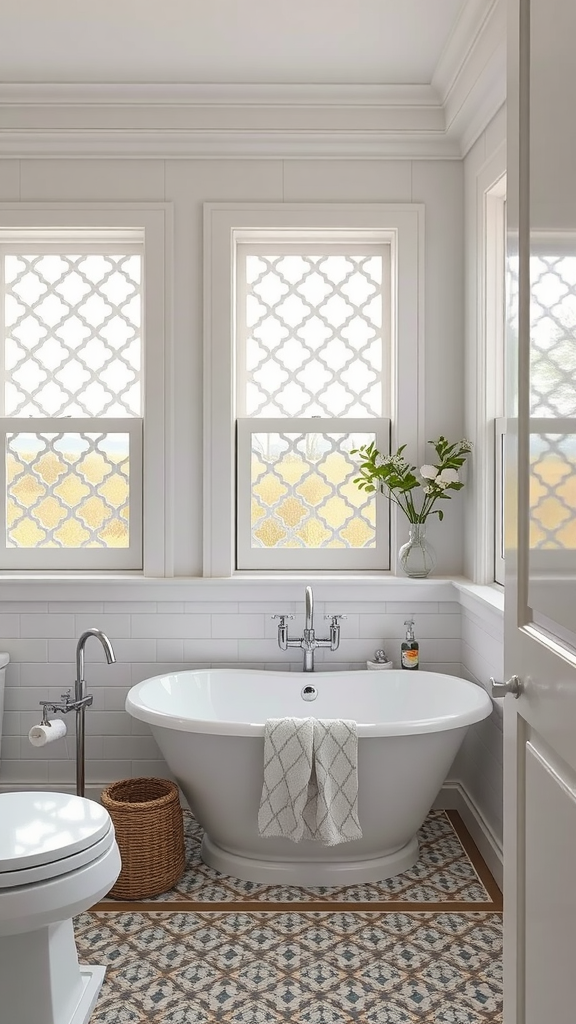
(209, 725)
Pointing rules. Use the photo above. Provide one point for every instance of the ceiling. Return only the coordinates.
(284, 42)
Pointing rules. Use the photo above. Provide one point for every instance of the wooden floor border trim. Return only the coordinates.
(308, 907)
(494, 905)
(476, 859)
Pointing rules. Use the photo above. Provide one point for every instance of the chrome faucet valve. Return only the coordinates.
(309, 642)
(282, 630)
(335, 630)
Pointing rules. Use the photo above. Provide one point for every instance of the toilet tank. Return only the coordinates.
(4, 659)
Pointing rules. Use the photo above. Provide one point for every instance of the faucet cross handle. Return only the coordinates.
(335, 630)
(282, 630)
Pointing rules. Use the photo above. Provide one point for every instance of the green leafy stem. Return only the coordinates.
(415, 495)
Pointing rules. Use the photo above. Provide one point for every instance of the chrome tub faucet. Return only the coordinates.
(309, 642)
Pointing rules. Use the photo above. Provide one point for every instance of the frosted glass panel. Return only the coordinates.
(73, 342)
(314, 335)
(67, 490)
(303, 495)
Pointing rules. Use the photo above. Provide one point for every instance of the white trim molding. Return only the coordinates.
(440, 120)
(454, 796)
(485, 361)
(470, 78)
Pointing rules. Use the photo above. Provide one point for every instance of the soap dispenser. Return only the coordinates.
(410, 649)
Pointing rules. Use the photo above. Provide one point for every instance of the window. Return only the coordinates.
(553, 402)
(73, 394)
(552, 398)
(303, 364)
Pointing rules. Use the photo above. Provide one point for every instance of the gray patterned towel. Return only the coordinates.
(310, 786)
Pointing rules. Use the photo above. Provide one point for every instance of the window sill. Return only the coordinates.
(354, 587)
(486, 601)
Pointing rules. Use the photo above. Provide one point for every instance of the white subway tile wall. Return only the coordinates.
(478, 765)
(151, 637)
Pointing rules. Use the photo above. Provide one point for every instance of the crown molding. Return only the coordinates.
(437, 121)
(459, 45)
(207, 121)
(284, 145)
(470, 78)
(33, 94)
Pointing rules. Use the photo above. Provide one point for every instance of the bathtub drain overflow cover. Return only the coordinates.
(309, 693)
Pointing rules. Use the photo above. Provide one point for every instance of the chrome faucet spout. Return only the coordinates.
(80, 695)
(108, 651)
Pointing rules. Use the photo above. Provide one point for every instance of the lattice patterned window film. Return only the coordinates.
(71, 403)
(553, 405)
(313, 382)
(552, 402)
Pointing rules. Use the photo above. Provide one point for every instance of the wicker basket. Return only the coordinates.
(149, 830)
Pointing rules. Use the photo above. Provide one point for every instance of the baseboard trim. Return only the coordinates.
(453, 796)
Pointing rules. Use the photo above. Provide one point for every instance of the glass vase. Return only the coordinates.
(417, 556)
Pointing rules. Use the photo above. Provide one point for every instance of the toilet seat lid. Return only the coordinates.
(40, 828)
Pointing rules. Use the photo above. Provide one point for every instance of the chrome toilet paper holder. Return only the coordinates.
(64, 705)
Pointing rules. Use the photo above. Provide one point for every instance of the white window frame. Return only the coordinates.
(151, 551)
(485, 377)
(495, 366)
(499, 490)
(227, 224)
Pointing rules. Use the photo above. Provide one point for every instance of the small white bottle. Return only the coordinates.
(380, 662)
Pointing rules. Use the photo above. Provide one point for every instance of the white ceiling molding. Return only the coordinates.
(460, 43)
(283, 145)
(23, 94)
(470, 78)
(436, 121)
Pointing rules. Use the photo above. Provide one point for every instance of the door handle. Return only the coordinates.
(512, 685)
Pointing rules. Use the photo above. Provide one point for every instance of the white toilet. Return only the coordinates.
(58, 856)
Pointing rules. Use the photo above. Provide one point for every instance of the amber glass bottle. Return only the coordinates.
(410, 649)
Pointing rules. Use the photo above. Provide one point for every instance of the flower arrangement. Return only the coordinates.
(393, 475)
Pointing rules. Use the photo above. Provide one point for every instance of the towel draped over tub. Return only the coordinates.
(310, 786)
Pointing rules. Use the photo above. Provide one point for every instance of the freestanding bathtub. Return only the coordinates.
(209, 725)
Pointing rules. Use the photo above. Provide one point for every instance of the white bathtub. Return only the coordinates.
(209, 725)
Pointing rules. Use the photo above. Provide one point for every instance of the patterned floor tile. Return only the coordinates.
(444, 873)
(315, 967)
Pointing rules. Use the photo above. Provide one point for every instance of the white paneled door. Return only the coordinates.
(540, 516)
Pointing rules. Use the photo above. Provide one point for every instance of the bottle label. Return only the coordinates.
(409, 659)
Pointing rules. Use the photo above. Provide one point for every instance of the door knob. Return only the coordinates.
(512, 685)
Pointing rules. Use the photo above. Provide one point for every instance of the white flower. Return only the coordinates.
(396, 461)
(429, 472)
(447, 476)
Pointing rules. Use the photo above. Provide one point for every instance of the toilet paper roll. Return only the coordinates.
(40, 735)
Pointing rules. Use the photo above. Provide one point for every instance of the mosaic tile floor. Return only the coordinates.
(306, 967)
(449, 871)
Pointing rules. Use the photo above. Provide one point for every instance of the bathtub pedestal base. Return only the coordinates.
(309, 872)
